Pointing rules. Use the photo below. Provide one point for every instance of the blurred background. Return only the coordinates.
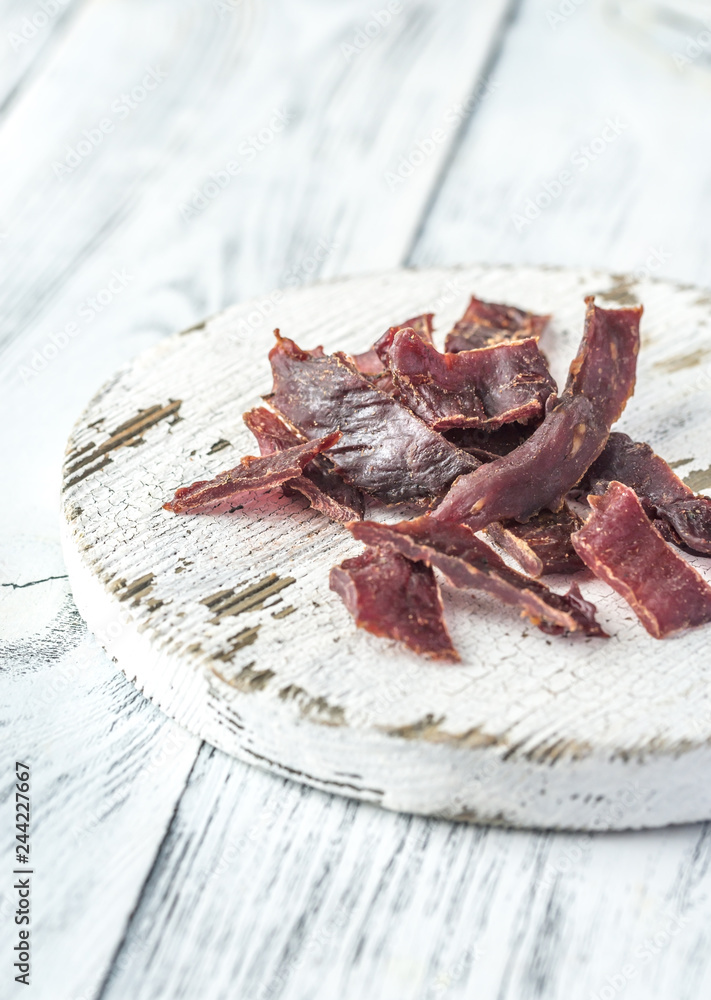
(162, 159)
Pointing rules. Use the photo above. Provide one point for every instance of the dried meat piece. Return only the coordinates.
(488, 445)
(621, 547)
(543, 544)
(547, 466)
(385, 449)
(271, 431)
(486, 323)
(691, 520)
(469, 563)
(325, 490)
(375, 360)
(664, 496)
(251, 474)
(484, 388)
(394, 597)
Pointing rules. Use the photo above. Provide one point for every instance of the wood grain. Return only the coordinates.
(630, 203)
(526, 731)
(99, 753)
(601, 908)
(27, 36)
(320, 898)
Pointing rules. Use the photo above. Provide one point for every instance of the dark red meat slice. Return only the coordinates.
(547, 466)
(391, 596)
(251, 474)
(469, 563)
(271, 431)
(325, 490)
(541, 545)
(376, 359)
(385, 449)
(486, 323)
(620, 546)
(487, 445)
(664, 496)
(691, 520)
(485, 388)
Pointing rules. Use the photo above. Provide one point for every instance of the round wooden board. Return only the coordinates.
(227, 622)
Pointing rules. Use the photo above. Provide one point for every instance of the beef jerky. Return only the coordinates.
(691, 520)
(391, 596)
(385, 449)
(664, 496)
(547, 466)
(272, 432)
(251, 474)
(486, 323)
(325, 490)
(541, 545)
(487, 445)
(485, 388)
(469, 563)
(375, 361)
(622, 548)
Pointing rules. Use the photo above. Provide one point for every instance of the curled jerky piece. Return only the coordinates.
(325, 490)
(541, 545)
(375, 360)
(385, 449)
(485, 388)
(664, 496)
(251, 474)
(575, 430)
(469, 563)
(620, 546)
(486, 323)
(391, 596)
(271, 431)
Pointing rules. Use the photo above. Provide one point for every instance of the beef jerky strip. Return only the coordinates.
(487, 445)
(251, 474)
(375, 360)
(486, 323)
(575, 430)
(325, 490)
(621, 547)
(385, 449)
(469, 563)
(663, 494)
(391, 596)
(485, 388)
(541, 545)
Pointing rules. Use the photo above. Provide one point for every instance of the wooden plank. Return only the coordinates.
(267, 891)
(120, 206)
(624, 123)
(552, 916)
(28, 32)
(106, 770)
(629, 882)
(118, 209)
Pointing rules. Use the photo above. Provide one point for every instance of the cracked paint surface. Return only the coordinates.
(241, 598)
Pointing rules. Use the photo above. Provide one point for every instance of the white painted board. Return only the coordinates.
(527, 730)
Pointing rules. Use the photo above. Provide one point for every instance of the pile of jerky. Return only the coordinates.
(480, 439)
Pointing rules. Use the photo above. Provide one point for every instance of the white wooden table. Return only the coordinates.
(163, 868)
